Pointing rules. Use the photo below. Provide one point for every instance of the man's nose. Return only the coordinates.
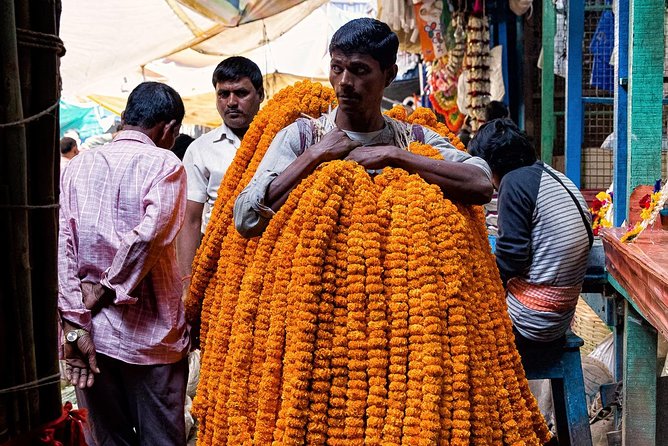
(346, 78)
(233, 100)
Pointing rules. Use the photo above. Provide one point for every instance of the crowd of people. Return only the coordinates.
(133, 214)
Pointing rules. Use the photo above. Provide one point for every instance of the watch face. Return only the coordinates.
(71, 336)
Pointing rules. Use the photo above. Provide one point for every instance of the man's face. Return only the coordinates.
(358, 81)
(237, 102)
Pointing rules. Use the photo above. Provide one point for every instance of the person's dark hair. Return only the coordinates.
(151, 103)
(464, 136)
(235, 68)
(367, 36)
(181, 143)
(503, 145)
(496, 110)
(67, 144)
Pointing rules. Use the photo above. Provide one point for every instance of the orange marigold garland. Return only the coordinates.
(427, 292)
(316, 430)
(377, 322)
(353, 318)
(336, 412)
(416, 328)
(395, 265)
(363, 213)
(272, 369)
(304, 292)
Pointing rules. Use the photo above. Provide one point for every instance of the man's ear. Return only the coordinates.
(390, 74)
(260, 93)
(171, 128)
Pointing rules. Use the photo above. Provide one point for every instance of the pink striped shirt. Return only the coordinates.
(121, 206)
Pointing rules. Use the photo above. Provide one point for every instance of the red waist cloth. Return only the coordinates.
(556, 299)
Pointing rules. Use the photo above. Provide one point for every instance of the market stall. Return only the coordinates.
(634, 302)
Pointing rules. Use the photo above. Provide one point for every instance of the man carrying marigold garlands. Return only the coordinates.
(362, 304)
(363, 62)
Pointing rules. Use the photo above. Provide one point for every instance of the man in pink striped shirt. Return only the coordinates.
(119, 293)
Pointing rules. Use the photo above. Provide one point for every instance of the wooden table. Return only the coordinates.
(639, 272)
(641, 268)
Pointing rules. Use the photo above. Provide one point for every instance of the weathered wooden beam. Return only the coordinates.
(42, 135)
(639, 409)
(645, 92)
(15, 278)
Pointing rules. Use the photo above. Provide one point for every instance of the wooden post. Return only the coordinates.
(41, 74)
(15, 279)
(547, 125)
(620, 176)
(639, 410)
(645, 92)
(574, 105)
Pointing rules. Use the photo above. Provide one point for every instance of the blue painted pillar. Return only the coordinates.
(620, 158)
(574, 105)
(503, 41)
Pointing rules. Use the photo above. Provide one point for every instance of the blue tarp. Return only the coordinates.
(87, 119)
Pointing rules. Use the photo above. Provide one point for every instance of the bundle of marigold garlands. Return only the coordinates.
(369, 312)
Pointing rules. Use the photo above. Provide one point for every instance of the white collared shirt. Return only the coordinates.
(206, 162)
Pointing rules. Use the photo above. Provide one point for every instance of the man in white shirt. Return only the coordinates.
(239, 92)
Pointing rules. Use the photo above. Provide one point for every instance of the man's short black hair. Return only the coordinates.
(181, 143)
(67, 144)
(496, 110)
(367, 36)
(503, 145)
(151, 103)
(235, 68)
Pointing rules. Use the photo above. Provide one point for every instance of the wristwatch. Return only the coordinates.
(73, 335)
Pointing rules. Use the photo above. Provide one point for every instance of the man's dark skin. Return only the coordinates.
(359, 82)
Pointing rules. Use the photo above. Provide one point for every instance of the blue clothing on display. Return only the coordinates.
(602, 44)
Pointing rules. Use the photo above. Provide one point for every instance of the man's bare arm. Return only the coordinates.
(189, 239)
(465, 183)
(334, 145)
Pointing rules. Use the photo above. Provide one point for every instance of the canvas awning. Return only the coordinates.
(284, 59)
(108, 43)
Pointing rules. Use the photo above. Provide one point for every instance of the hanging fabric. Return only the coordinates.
(428, 17)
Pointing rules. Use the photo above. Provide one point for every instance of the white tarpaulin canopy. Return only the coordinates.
(111, 40)
(299, 51)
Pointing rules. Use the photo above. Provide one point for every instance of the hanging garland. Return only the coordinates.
(651, 205)
(601, 211)
(477, 65)
(353, 319)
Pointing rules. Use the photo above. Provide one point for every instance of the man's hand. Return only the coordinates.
(80, 359)
(335, 145)
(96, 296)
(373, 157)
